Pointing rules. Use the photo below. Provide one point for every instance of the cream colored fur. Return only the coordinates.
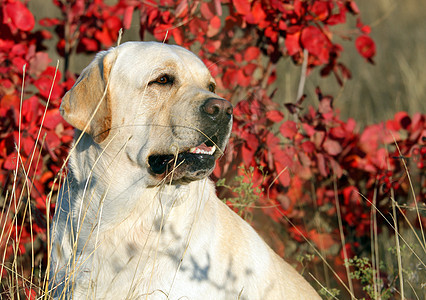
(119, 231)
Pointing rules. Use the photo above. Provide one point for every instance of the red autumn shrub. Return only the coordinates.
(320, 149)
(301, 160)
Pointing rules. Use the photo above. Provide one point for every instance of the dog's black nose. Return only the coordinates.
(217, 108)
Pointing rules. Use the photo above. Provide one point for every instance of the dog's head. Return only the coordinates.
(155, 102)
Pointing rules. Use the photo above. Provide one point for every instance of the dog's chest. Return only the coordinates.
(132, 259)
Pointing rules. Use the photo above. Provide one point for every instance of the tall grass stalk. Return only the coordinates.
(342, 235)
(396, 231)
(398, 248)
(375, 258)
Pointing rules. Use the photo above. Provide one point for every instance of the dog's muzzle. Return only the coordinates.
(197, 161)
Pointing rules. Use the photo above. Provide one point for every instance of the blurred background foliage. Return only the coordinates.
(396, 82)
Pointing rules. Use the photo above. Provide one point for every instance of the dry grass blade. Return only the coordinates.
(398, 248)
(342, 235)
(396, 231)
(412, 191)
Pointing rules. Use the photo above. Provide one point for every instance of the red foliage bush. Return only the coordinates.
(307, 159)
(320, 150)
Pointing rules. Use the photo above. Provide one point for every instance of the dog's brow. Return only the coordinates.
(165, 69)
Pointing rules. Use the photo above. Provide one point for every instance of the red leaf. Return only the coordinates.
(30, 294)
(272, 141)
(52, 141)
(403, 119)
(10, 101)
(45, 81)
(207, 10)
(249, 69)
(19, 15)
(350, 195)
(214, 26)
(128, 14)
(251, 140)
(338, 132)
(288, 129)
(318, 138)
(320, 9)
(345, 71)
(337, 169)
(323, 240)
(275, 116)
(10, 162)
(6, 87)
(326, 106)
(218, 7)
(242, 79)
(352, 7)
(271, 34)
(177, 35)
(321, 165)
(308, 147)
(242, 6)
(160, 31)
(31, 110)
(19, 50)
(284, 177)
(27, 144)
(282, 159)
(19, 63)
(272, 77)
(109, 33)
(181, 9)
(251, 53)
(315, 41)
(310, 131)
(67, 138)
(332, 147)
(258, 14)
(48, 22)
(366, 29)
(90, 45)
(247, 154)
(298, 8)
(298, 233)
(212, 46)
(365, 46)
(52, 119)
(340, 17)
(39, 63)
(305, 161)
(229, 78)
(104, 37)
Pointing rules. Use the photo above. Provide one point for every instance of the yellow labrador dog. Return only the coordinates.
(137, 217)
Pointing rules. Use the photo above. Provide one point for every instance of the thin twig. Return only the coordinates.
(302, 80)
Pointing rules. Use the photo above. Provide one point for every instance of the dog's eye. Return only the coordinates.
(164, 79)
(212, 87)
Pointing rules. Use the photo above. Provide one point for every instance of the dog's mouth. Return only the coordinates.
(191, 164)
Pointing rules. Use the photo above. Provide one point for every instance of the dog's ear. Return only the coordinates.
(89, 96)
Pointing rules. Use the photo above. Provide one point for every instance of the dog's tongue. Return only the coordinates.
(203, 149)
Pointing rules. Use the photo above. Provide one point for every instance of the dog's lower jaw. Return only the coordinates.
(178, 177)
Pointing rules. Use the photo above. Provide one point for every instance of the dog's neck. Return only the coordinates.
(108, 189)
